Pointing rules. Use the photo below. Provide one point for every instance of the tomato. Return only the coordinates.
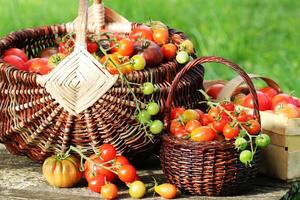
(192, 124)
(169, 51)
(127, 173)
(150, 51)
(263, 140)
(138, 62)
(110, 64)
(180, 133)
(125, 47)
(263, 101)
(166, 190)
(66, 47)
(287, 110)
(219, 124)
(182, 57)
(187, 46)
(231, 131)
(137, 189)
(109, 191)
(62, 48)
(246, 157)
(92, 47)
(283, 98)
(62, 172)
(120, 161)
(203, 134)
(161, 35)
(176, 126)
(214, 90)
(229, 106)
(156, 127)
(48, 52)
(177, 112)
(29, 62)
(55, 59)
(144, 117)
(16, 62)
(16, 52)
(189, 115)
(107, 152)
(239, 99)
(40, 66)
(153, 108)
(205, 119)
(269, 91)
(214, 113)
(148, 88)
(241, 143)
(252, 127)
(96, 183)
(241, 116)
(141, 32)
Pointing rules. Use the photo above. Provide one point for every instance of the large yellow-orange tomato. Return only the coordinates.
(62, 173)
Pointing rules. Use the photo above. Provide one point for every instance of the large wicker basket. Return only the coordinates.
(211, 168)
(33, 123)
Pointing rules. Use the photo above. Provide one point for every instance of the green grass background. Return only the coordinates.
(260, 35)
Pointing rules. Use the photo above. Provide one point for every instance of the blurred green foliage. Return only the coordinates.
(260, 35)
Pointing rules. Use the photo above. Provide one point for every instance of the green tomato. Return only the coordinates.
(138, 62)
(241, 143)
(187, 46)
(156, 127)
(189, 115)
(148, 88)
(262, 141)
(153, 108)
(182, 57)
(144, 117)
(246, 157)
(137, 189)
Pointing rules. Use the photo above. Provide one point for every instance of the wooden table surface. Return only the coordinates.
(21, 179)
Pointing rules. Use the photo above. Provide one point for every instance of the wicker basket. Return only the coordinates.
(206, 168)
(36, 125)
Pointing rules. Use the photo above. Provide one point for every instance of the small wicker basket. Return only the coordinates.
(211, 168)
(33, 123)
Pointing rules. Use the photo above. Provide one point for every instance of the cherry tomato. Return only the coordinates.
(125, 47)
(214, 113)
(139, 62)
(16, 52)
(96, 183)
(147, 88)
(203, 134)
(110, 64)
(192, 124)
(107, 152)
(182, 57)
(219, 124)
(246, 157)
(141, 32)
(205, 119)
(229, 106)
(92, 47)
(121, 160)
(144, 117)
(40, 66)
(153, 108)
(242, 116)
(169, 51)
(231, 131)
(287, 110)
(283, 98)
(263, 140)
(241, 143)
(161, 35)
(252, 127)
(166, 190)
(214, 90)
(269, 91)
(176, 126)
(16, 62)
(187, 46)
(263, 101)
(109, 191)
(127, 173)
(239, 99)
(137, 189)
(156, 126)
(177, 112)
(29, 62)
(189, 115)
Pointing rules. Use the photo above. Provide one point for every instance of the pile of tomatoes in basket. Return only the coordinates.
(145, 46)
(101, 171)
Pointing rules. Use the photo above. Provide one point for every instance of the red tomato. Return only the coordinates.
(125, 47)
(40, 66)
(16, 52)
(229, 106)
(242, 116)
(92, 47)
(109, 191)
(176, 126)
(62, 48)
(263, 101)
(203, 134)
(141, 32)
(252, 127)
(127, 173)
(177, 112)
(96, 183)
(214, 90)
(110, 64)
(169, 51)
(191, 125)
(231, 131)
(161, 35)
(214, 113)
(121, 160)
(269, 91)
(29, 62)
(219, 124)
(205, 119)
(16, 62)
(107, 152)
(284, 98)
(287, 110)
(239, 99)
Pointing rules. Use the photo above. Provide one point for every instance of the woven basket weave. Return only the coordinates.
(208, 168)
(34, 124)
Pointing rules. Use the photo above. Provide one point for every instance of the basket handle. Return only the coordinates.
(81, 25)
(99, 15)
(210, 59)
(232, 85)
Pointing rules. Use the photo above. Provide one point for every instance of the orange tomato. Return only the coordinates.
(203, 134)
(287, 110)
(161, 35)
(193, 124)
(231, 131)
(169, 51)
